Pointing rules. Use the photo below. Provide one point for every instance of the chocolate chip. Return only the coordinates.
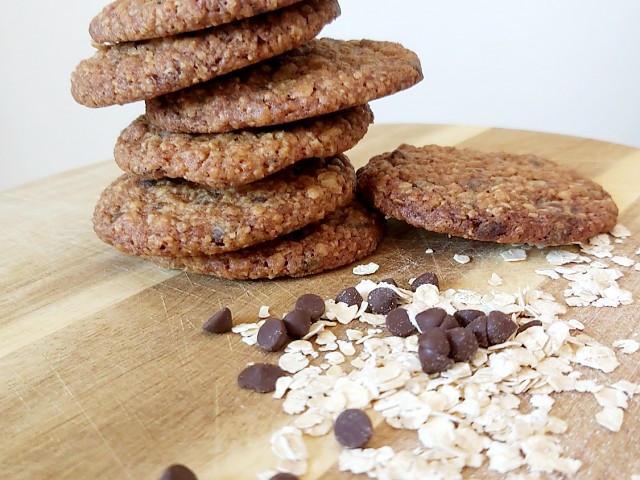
(436, 340)
(479, 328)
(390, 281)
(428, 278)
(178, 472)
(284, 476)
(312, 304)
(463, 344)
(382, 300)
(298, 323)
(465, 317)
(432, 317)
(272, 335)
(499, 327)
(353, 428)
(448, 323)
(528, 325)
(350, 296)
(398, 323)
(260, 377)
(221, 322)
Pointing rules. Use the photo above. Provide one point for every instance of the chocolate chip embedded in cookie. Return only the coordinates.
(129, 72)
(237, 158)
(134, 20)
(497, 197)
(342, 238)
(320, 77)
(179, 218)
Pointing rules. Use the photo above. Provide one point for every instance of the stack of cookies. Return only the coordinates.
(237, 170)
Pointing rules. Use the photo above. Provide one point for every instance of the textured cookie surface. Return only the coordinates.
(237, 158)
(495, 197)
(134, 20)
(179, 218)
(342, 238)
(129, 72)
(317, 78)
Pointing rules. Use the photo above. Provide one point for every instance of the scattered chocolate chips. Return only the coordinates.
(312, 304)
(284, 476)
(428, 278)
(465, 317)
(272, 335)
(298, 323)
(353, 428)
(432, 317)
(499, 327)
(382, 300)
(221, 322)
(398, 323)
(528, 325)
(479, 328)
(436, 340)
(260, 377)
(463, 344)
(448, 323)
(178, 472)
(350, 296)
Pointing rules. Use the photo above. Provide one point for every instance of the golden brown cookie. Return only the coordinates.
(496, 197)
(237, 158)
(180, 218)
(129, 72)
(343, 237)
(135, 20)
(320, 77)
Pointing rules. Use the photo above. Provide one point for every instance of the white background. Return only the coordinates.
(566, 66)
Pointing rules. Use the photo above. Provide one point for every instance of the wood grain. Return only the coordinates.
(105, 373)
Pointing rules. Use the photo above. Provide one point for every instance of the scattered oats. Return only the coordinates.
(293, 362)
(514, 255)
(638, 251)
(373, 319)
(620, 231)
(295, 402)
(575, 324)
(366, 269)
(562, 257)
(282, 385)
(428, 250)
(461, 258)
(264, 312)
(548, 273)
(600, 240)
(611, 397)
(627, 387)
(334, 358)
(340, 311)
(353, 335)
(623, 261)
(637, 267)
(346, 348)
(287, 444)
(266, 475)
(635, 477)
(598, 357)
(627, 345)
(248, 331)
(503, 457)
(618, 240)
(610, 418)
(318, 327)
(427, 296)
(598, 251)
(495, 280)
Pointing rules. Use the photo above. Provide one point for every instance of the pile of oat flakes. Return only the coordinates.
(471, 413)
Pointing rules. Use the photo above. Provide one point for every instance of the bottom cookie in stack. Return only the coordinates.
(183, 224)
(345, 236)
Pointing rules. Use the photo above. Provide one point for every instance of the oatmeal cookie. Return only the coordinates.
(320, 77)
(342, 238)
(240, 157)
(496, 197)
(180, 218)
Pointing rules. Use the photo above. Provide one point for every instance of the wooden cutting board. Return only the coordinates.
(105, 373)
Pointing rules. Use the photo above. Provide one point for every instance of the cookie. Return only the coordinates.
(180, 218)
(128, 72)
(237, 158)
(135, 20)
(343, 237)
(320, 77)
(496, 197)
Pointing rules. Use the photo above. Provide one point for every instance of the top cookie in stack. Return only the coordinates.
(237, 169)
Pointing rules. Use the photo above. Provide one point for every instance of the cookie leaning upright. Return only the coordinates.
(497, 197)
(132, 71)
(320, 77)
